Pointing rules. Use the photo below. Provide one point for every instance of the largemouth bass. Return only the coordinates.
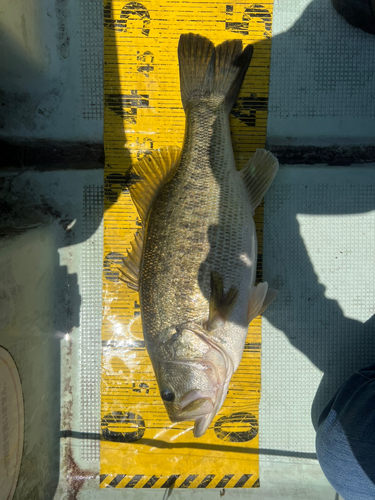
(194, 261)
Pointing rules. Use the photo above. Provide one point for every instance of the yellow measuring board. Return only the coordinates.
(140, 447)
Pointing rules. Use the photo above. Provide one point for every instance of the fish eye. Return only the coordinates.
(167, 395)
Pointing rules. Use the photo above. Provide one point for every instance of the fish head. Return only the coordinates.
(193, 377)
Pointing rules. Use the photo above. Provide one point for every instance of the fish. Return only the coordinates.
(194, 260)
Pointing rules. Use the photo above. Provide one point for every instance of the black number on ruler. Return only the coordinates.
(237, 428)
(146, 59)
(126, 105)
(111, 263)
(254, 13)
(137, 311)
(109, 22)
(129, 11)
(115, 184)
(145, 148)
(123, 427)
(141, 387)
(246, 108)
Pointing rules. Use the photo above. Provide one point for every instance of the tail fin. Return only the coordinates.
(204, 69)
(196, 58)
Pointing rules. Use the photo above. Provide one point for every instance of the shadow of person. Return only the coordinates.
(315, 84)
(314, 324)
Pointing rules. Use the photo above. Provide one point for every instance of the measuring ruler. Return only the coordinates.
(140, 447)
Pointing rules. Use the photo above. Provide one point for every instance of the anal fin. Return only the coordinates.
(270, 297)
(260, 298)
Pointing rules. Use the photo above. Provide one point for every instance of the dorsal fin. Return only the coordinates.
(130, 269)
(153, 172)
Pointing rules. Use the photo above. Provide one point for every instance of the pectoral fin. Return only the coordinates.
(258, 174)
(130, 269)
(260, 298)
(221, 304)
(153, 172)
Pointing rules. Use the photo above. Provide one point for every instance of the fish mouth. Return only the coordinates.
(196, 408)
(192, 397)
(197, 403)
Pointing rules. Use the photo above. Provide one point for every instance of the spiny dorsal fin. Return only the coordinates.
(130, 269)
(258, 174)
(154, 171)
(221, 304)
